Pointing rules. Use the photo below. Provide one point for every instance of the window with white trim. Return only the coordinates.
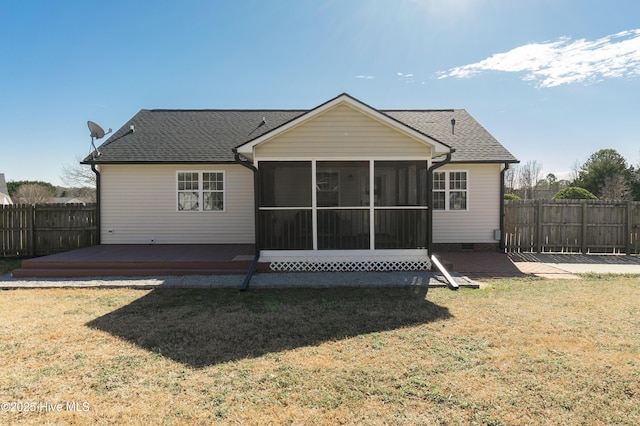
(328, 188)
(450, 190)
(200, 191)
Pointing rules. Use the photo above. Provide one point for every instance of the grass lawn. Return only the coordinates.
(516, 352)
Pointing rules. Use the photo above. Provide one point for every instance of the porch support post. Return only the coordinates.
(372, 207)
(314, 204)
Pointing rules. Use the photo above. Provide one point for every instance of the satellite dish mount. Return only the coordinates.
(96, 133)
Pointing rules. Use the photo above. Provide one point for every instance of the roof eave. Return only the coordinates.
(497, 161)
(160, 162)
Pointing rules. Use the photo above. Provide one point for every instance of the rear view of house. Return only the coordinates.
(343, 186)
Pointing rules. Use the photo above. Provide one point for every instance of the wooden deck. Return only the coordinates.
(142, 260)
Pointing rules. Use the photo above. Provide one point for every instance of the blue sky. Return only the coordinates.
(552, 80)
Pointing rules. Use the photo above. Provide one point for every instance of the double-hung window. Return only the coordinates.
(200, 191)
(450, 190)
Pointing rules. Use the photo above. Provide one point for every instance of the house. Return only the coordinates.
(70, 200)
(343, 186)
(5, 199)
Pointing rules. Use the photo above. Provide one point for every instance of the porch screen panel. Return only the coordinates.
(401, 228)
(404, 183)
(342, 183)
(285, 205)
(343, 229)
(286, 229)
(285, 183)
(342, 199)
(400, 214)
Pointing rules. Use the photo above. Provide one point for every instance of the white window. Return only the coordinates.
(200, 191)
(450, 190)
(328, 188)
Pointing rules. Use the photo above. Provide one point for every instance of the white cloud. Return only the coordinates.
(365, 77)
(564, 61)
(407, 78)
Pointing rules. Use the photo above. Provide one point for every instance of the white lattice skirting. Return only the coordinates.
(345, 264)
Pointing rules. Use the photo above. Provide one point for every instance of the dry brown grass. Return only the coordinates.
(516, 352)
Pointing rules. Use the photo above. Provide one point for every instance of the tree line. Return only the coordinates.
(40, 192)
(606, 175)
(80, 181)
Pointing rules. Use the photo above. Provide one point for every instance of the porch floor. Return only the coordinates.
(142, 260)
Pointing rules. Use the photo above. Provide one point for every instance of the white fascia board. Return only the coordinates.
(438, 148)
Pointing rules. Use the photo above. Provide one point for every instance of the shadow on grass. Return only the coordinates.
(205, 327)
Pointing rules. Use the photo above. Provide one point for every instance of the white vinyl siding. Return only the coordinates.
(342, 132)
(138, 204)
(482, 217)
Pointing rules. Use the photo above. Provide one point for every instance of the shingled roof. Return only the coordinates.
(209, 136)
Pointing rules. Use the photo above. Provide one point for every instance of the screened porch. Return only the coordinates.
(342, 205)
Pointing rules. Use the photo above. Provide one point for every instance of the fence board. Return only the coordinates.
(572, 226)
(35, 230)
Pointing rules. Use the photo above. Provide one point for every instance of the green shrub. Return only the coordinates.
(574, 193)
(513, 197)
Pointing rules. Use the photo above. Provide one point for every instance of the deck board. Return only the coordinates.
(142, 259)
(152, 253)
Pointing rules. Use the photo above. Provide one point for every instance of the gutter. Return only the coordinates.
(93, 168)
(502, 191)
(256, 204)
(430, 199)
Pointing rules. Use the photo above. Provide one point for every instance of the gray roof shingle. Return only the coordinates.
(472, 142)
(208, 136)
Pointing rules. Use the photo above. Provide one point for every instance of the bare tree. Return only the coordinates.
(529, 176)
(575, 171)
(33, 194)
(78, 175)
(511, 177)
(615, 188)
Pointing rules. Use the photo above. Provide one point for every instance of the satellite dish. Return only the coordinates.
(96, 133)
(96, 130)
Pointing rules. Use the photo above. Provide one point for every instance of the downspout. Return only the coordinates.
(502, 191)
(256, 200)
(430, 199)
(93, 168)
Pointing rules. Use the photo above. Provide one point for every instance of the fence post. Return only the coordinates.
(628, 229)
(583, 246)
(32, 225)
(538, 237)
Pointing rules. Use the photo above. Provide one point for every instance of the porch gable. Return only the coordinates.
(343, 128)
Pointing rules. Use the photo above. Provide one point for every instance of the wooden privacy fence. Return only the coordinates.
(41, 229)
(573, 226)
